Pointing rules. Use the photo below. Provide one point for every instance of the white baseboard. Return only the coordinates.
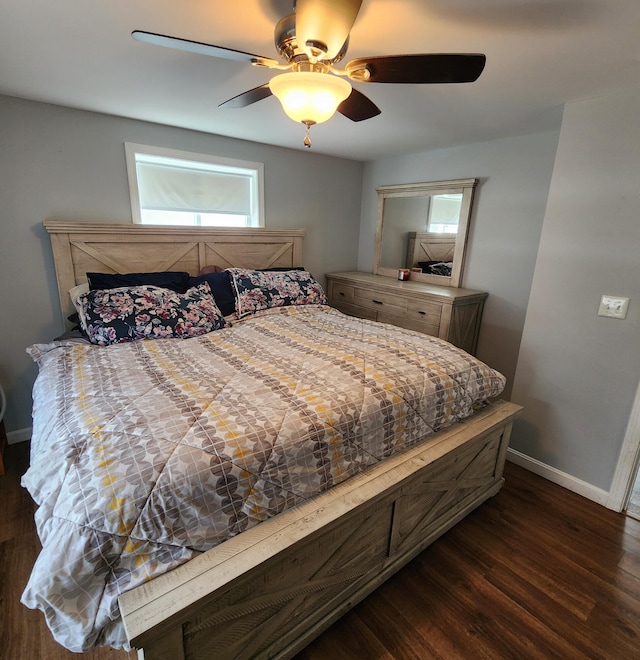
(21, 435)
(557, 477)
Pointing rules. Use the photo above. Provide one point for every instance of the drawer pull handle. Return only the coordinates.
(423, 313)
(341, 293)
(377, 302)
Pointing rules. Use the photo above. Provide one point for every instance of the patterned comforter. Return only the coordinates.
(148, 453)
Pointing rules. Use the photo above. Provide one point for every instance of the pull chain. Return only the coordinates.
(307, 138)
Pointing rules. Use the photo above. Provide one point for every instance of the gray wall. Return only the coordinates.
(505, 227)
(67, 164)
(577, 372)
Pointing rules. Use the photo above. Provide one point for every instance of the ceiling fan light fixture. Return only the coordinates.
(309, 97)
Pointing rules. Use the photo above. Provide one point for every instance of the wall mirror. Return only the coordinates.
(424, 225)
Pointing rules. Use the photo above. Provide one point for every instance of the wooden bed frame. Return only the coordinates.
(269, 591)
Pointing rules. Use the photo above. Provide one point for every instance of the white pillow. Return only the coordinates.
(76, 292)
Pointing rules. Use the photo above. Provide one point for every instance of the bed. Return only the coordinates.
(233, 493)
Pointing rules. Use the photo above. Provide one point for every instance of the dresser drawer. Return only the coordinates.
(341, 293)
(424, 312)
(381, 302)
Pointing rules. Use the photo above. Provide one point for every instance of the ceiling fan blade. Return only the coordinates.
(358, 107)
(201, 48)
(417, 69)
(324, 25)
(247, 98)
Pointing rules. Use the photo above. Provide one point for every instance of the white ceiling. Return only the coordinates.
(540, 54)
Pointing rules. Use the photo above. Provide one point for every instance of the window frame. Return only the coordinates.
(257, 216)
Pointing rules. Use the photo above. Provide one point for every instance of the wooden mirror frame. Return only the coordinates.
(465, 187)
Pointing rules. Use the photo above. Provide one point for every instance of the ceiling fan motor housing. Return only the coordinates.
(284, 37)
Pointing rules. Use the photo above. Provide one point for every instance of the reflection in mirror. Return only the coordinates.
(444, 213)
(402, 215)
(424, 225)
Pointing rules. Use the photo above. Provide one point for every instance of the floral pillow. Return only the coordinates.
(114, 316)
(256, 290)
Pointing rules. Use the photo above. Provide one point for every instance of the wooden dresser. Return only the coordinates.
(450, 313)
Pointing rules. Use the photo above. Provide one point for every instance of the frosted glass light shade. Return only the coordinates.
(309, 96)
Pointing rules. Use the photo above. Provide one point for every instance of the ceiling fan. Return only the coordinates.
(311, 41)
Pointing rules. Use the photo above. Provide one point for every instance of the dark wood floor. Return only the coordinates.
(536, 572)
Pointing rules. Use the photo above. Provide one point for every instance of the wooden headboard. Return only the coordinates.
(425, 246)
(428, 246)
(84, 247)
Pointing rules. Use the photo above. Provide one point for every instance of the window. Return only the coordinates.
(444, 213)
(169, 187)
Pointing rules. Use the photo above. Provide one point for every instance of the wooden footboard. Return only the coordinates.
(271, 590)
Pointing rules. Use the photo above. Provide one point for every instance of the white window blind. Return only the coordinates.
(169, 188)
(168, 184)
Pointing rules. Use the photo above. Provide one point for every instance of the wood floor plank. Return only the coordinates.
(513, 630)
(526, 591)
(430, 613)
(535, 572)
(521, 606)
(539, 572)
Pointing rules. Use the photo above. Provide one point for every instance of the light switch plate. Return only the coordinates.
(614, 307)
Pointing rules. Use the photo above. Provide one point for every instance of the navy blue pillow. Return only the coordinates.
(220, 285)
(177, 281)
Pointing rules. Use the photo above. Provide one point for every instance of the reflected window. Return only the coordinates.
(444, 213)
